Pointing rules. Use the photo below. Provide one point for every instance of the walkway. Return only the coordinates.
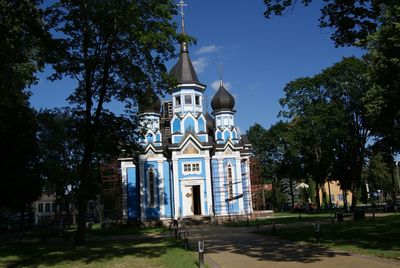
(239, 247)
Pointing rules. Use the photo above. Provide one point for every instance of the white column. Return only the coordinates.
(239, 185)
(208, 184)
(125, 164)
(142, 190)
(248, 181)
(176, 186)
(161, 187)
(222, 187)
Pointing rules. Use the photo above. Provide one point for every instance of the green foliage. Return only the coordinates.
(384, 68)
(350, 21)
(116, 50)
(379, 173)
(23, 41)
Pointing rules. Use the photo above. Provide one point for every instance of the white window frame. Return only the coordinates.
(189, 168)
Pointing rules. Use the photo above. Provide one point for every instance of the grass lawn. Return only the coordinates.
(141, 252)
(379, 237)
(283, 218)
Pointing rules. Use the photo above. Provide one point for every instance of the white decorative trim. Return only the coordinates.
(125, 164)
(239, 184)
(176, 188)
(142, 191)
(161, 188)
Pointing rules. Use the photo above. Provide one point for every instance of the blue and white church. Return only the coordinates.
(192, 163)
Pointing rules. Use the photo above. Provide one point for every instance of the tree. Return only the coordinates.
(278, 153)
(384, 67)
(379, 174)
(352, 21)
(116, 51)
(23, 42)
(330, 122)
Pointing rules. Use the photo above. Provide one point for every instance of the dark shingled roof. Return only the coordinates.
(222, 100)
(183, 70)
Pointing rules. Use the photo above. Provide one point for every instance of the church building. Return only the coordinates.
(193, 163)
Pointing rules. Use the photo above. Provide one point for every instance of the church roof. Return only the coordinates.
(222, 100)
(183, 70)
(149, 103)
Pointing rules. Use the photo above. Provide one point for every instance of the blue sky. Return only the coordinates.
(258, 56)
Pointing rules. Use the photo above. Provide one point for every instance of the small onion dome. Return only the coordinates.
(149, 103)
(222, 100)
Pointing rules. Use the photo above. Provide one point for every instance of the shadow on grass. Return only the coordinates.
(222, 239)
(377, 237)
(35, 254)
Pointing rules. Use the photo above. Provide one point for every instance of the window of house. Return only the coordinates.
(151, 187)
(47, 207)
(178, 100)
(53, 207)
(196, 167)
(197, 100)
(189, 168)
(340, 197)
(230, 183)
(332, 198)
(40, 207)
(188, 99)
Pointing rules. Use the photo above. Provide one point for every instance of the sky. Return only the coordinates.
(256, 56)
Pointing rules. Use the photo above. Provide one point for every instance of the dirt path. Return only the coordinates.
(239, 247)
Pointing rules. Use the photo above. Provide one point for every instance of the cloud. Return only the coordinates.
(216, 83)
(208, 49)
(200, 64)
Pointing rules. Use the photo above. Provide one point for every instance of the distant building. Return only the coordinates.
(336, 193)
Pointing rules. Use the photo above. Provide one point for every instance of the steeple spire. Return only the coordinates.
(182, 4)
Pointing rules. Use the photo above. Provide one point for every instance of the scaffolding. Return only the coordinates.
(257, 186)
(225, 210)
(111, 191)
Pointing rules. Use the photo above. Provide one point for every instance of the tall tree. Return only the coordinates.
(116, 51)
(384, 67)
(351, 21)
(330, 122)
(23, 40)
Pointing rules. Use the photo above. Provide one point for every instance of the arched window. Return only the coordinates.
(151, 187)
(234, 135)
(230, 181)
(149, 138)
(176, 125)
(219, 135)
(226, 136)
(189, 124)
(158, 137)
(201, 125)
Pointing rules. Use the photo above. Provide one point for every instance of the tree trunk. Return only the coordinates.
(354, 198)
(345, 205)
(317, 199)
(291, 193)
(83, 194)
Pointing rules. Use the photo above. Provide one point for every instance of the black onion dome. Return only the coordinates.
(222, 100)
(150, 103)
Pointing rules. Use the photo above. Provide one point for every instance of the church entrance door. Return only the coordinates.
(196, 200)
